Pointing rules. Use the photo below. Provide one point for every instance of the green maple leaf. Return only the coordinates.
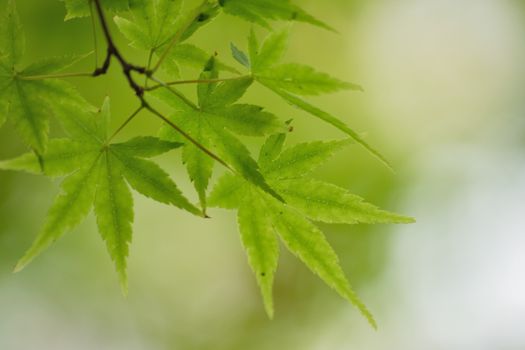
(260, 11)
(274, 197)
(261, 218)
(290, 81)
(198, 17)
(81, 8)
(26, 103)
(98, 174)
(153, 22)
(302, 80)
(212, 123)
(191, 56)
(12, 39)
(151, 27)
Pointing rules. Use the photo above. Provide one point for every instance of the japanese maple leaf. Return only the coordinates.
(98, 173)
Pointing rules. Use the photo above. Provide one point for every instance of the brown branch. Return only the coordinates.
(128, 68)
(113, 51)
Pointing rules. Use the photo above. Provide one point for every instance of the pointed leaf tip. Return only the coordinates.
(123, 280)
(330, 119)
(262, 11)
(19, 266)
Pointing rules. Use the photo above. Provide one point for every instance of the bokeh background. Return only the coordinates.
(444, 101)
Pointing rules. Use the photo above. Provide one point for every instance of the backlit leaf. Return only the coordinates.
(69, 209)
(261, 245)
(211, 125)
(330, 119)
(229, 192)
(325, 202)
(52, 65)
(145, 147)
(272, 50)
(80, 8)
(301, 159)
(189, 55)
(260, 216)
(308, 243)
(28, 104)
(63, 156)
(154, 22)
(260, 11)
(303, 80)
(98, 173)
(12, 38)
(150, 180)
(248, 120)
(114, 210)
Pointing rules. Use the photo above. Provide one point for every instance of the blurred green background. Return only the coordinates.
(444, 101)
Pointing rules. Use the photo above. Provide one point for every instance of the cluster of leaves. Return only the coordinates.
(274, 196)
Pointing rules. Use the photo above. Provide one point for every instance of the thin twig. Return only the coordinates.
(175, 92)
(148, 66)
(128, 68)
(188, 137)
(130, 118)
(113, 51)
(55, 76)
(194, 81)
